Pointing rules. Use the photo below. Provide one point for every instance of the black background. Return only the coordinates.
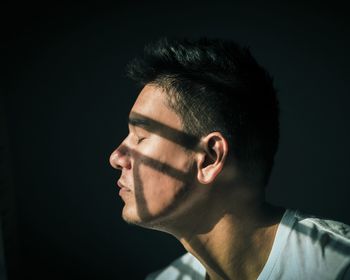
(66, 102)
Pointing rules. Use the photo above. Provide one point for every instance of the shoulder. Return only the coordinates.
(308, 247)
(185, 266)
(317, 245)
(319, 228)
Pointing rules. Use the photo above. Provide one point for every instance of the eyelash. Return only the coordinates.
(139, 140)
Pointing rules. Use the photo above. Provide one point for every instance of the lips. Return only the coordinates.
(122, 186)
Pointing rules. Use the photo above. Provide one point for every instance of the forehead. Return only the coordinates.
(152, 103)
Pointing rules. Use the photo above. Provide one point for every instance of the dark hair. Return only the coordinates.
(216, 85)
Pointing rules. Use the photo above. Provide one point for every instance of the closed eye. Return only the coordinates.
(139, 140)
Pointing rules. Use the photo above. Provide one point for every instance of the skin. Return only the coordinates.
(197, 194)
(146, 159)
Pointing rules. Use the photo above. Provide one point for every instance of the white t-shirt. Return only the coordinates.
(305, 247)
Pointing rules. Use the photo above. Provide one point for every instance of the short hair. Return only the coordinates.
(217, 85)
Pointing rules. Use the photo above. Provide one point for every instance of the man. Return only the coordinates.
(203, 133)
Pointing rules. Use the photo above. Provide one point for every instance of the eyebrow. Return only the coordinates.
(139, 121)
(182, 138)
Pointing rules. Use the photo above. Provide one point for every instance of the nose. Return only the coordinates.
(120, 158)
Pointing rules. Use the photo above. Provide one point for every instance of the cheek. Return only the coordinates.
(161, 174)
(164, 159)
(159, 182)
(157, 190)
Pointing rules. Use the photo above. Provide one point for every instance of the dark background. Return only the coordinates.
(65, 102)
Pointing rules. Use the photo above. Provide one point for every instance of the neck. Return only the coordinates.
(238, 241)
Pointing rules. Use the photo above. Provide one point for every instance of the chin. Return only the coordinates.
(145, 220)
(131, 216)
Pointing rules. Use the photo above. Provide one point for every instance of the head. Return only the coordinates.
(211, 106)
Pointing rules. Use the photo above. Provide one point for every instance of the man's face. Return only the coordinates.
(157, 170)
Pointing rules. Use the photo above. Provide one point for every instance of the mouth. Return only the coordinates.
(122, 187)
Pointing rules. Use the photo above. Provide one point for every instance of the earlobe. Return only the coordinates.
(211, 160)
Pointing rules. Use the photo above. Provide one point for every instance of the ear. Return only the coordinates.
(211, 159)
